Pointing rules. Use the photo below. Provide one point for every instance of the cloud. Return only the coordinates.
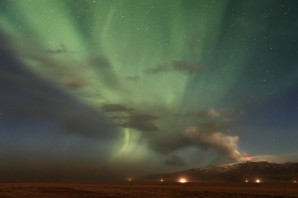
(203, 130)
(158, 69)
(202, 136)
(182, 66)
(224, 144)
(167, 142)
(174, 160)
(142, 122)
(127, 118)
(187, 67)
(115, 108)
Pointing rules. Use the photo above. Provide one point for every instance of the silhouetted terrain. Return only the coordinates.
(250, 171)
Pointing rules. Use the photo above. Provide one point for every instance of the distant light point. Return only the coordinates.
(182, 180)
(258, 181)
(246, 181)
(161, 180)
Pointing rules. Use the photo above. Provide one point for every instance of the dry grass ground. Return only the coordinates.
(143, 190)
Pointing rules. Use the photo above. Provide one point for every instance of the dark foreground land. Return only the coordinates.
(143, 190)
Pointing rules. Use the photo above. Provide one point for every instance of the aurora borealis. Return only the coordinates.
(109, 89)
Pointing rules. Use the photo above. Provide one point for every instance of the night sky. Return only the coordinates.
(105, 90)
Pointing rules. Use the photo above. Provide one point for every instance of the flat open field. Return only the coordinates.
(143, 190)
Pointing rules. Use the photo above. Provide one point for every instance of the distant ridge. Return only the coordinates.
(235, 172)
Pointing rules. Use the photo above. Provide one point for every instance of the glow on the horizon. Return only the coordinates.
(182, 180)
(258, 181)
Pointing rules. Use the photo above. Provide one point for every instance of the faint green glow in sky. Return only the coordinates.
(163, 58)
(132, 37)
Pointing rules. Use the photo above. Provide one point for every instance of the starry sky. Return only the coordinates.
(105, 90)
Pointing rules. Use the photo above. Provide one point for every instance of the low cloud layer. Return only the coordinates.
(206, 132)
(224, 144)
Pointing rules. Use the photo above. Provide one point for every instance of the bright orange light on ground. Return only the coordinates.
(258, 181)
(182, 180)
